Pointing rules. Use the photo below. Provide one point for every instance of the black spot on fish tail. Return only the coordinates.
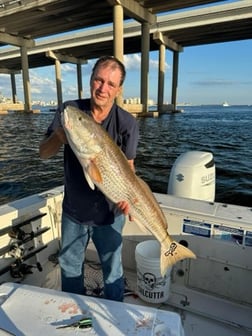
(172, 249)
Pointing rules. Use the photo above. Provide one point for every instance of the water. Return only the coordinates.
(226, 132)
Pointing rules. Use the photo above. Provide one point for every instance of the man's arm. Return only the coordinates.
(51, 145)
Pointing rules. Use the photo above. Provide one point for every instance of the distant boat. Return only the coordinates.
(225, 104)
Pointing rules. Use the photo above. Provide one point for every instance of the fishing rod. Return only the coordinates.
(17, 250)
(17, 267)
(20, 238)
(19, 225)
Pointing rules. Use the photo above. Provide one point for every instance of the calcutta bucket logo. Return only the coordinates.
(151, 286)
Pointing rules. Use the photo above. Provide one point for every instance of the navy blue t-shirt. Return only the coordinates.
(81, 203)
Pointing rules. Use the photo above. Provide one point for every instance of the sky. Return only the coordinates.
(208, 74)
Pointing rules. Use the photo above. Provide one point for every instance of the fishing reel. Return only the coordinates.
(18, 269)
(18, 249)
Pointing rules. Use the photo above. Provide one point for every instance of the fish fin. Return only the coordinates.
(89, 181)
(175, 253)
(94, 172)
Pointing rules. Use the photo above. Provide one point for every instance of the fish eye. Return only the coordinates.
(80, 118)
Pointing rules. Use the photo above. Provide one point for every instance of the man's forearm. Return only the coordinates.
(49, 146)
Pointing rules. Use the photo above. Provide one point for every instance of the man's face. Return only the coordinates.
(105, 85)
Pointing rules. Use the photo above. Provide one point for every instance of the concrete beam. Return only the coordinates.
(159, 38)
(10, 7)
(9, 71)
(16, 40)
(235, 11)
(134, 10)
(65, 58)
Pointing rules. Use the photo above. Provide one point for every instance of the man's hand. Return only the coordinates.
(51, 145)
(60, 133)
(125, 208)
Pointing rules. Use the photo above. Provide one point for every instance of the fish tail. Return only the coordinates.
(170, 256)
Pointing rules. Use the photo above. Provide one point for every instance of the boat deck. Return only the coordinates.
(212, 294)
(198, 311)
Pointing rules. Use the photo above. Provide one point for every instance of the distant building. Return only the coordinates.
(137, 100)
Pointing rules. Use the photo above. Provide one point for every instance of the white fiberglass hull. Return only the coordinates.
(212, 294)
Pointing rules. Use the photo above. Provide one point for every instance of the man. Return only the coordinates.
(86, 212)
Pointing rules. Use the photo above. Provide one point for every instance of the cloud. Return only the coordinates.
(36, 90)
(214, 82)
(70, 91)
(220, 82)
(70, 68)
(4, 76)
(38, 79)
(41, 85)
(5, 85)
(133, 62)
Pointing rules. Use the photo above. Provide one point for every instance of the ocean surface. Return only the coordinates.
(224, 131)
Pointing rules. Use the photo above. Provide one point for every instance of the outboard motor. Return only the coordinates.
(193, 176)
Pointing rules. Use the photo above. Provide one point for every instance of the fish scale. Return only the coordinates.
(105, 166)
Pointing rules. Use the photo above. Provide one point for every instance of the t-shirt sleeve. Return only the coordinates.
(56, 122)
(130, 138)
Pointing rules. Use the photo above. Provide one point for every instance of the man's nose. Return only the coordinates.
(100, 86)
(103, 86)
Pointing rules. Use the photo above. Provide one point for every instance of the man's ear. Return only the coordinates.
(119, 91)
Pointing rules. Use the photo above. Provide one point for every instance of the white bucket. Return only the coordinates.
(151, 286)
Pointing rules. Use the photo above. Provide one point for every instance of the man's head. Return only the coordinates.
(106, 81)
(112, 62)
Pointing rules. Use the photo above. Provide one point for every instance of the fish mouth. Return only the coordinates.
(66, 120)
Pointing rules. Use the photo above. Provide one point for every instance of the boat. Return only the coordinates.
(225, 104)
(209, 295)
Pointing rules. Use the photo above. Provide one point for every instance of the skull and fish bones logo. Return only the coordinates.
(150, 280)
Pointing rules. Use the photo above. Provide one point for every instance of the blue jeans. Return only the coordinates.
(108, 242)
